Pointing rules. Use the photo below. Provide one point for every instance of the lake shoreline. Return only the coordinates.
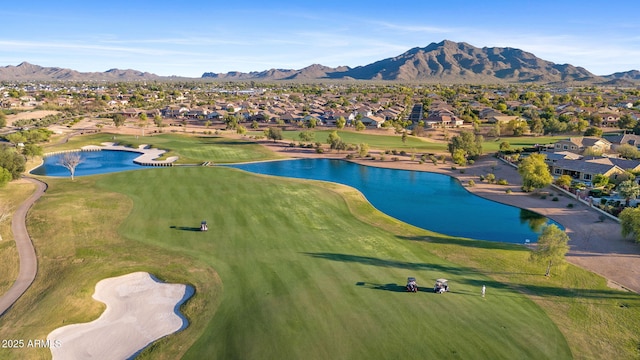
(596, 245)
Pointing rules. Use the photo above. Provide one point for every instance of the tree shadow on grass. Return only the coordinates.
(368, 260)
(185, 228)
(480, 244)
(559, 294)
(464, 284)
(393, 287)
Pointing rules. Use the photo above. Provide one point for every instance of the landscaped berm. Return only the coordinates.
(292, 269)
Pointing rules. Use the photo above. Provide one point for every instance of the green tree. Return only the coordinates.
(505, 146)
(5, 177)
(467, 141)
(534, 172)
(273, 133)
(630, 222)
(254, 124)
(31, 150)
(626, 121)
(335, 142)
(404, 137)
(495, 130)
(360, 125)
(143, 121)
(363, 150)
(564, 181)
(458, 157)
(591, 151)
(628, 151)
(157, 120)
(12, 161)
(341, 122)
(551, 248)
(118, 120)
(241, 130)
(312, 123)
(537, 126)
(231, 121)
(333, 139)
(3, 119)
(307, 136)
(16, 138)
(593, 131)
(628, 189)
(600, 180)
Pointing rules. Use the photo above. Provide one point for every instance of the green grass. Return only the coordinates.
(300, 276)
(294, 269)
(419, 145)
(191, 149)
(493, 145)
(383, 142)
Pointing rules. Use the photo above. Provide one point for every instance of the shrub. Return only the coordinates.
(508, 191)
(382, 157)
(349, 156)
(472, 183)
(403, 153)
(395, 158)
(570, 206)
(555, 198)
(502, 182)
(461, 171)
(454, 168)
(471, 161)
(319, 150)
(543, 197)
(481, 177)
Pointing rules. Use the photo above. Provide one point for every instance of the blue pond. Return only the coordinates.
(427, 200)
(93, 162)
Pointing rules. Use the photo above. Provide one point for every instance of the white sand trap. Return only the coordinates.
(140, 310)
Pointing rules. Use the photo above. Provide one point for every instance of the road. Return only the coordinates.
(26, 251)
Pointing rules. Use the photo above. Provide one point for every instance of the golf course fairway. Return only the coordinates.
(286, 271)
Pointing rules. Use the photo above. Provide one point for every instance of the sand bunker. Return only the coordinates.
(140, 310)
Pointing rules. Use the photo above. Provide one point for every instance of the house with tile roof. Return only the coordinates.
(579, 144)
(584, 170)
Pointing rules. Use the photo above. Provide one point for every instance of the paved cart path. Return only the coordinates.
(26, 251)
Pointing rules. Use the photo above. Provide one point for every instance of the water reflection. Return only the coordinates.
(535, 221)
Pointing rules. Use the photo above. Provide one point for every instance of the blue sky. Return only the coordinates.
(187, 38)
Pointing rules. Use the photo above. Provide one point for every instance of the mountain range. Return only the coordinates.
(28, 72)
(444, 62)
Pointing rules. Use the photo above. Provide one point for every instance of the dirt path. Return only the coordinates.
(26, 252)
(595, 245)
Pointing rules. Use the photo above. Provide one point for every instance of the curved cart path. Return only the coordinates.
(26, 251)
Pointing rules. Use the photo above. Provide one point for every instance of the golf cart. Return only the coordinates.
(411, 284)
(203, 226)
(441, 286)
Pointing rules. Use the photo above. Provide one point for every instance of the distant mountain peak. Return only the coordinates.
(447, 61)
(28, 72)
(444, 62)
